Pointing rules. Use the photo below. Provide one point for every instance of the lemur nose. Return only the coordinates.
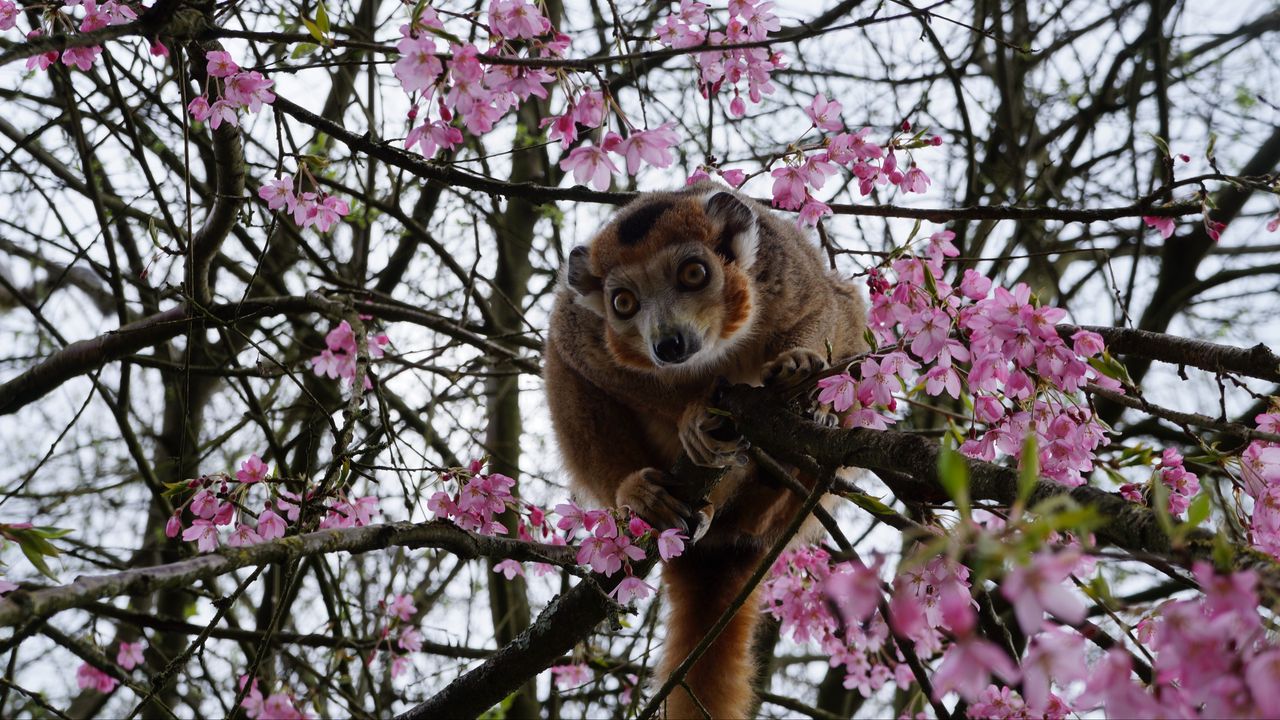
(674, 348)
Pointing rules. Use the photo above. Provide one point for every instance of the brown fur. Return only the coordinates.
(621, 420)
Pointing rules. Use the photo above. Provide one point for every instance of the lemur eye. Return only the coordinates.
(693, 275)
(625, 303)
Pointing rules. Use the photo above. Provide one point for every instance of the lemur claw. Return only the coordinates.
(793, 364)
(706, 447)
(646, 493)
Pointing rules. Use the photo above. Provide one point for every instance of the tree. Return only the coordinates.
(274, 280)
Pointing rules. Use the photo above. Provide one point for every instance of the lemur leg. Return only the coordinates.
(700, 585)
(623, 471)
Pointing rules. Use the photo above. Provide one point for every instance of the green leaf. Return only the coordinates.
(322, 18)
(1029, 473)
(441, 33)
(303, 49)
(953, 473)
(1198, 511)
(1112, 368)
(1160, 143)
(314, 30)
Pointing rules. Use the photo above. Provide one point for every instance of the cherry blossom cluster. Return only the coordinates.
(128, 656)
(611, 544)
(309, 208)
(1180, 483)
(472, 93)
(808, 169)
(478, 93)
(1213, 658)
(997, 347)
(745, 22)
(277, 706)
(232, 90)
(399, 611)
(63, 21)
(1212, 654)
(219, 501)
(1260, 473)
(338, 359)
(570, 676)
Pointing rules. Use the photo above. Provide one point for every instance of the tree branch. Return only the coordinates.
(22, 604)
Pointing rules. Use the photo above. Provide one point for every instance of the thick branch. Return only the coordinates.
(561, 625)
(21, 604)
(1257, 361)
(85, 356)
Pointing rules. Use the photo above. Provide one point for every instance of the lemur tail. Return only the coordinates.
(700, 584)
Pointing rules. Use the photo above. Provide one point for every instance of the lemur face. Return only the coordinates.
(669, 277)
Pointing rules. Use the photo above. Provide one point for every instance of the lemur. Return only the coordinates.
(677, 290)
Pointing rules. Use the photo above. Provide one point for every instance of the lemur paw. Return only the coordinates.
(705, 439)
(646, 493)
(793, 364)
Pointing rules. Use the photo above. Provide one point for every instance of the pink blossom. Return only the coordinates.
(516, 19)
(855, 590)
(671, 543)
(589, 109)
(224, 514)
(1212, 227)
(410, 640)
(220, 64)
(279, 706)
(159, 49)
(570, 676)
(631, 588)
(1055, 655)
(223, 111)
(812, 211)
(243, 535)
(89, 677)
(250, 90)
(590, 165)
(838, 391)
(509, 568)
(1262, 675)
(1040, 586)
(199, 109)
(1163, 224)
(328, 211)
(734, 177)
(1260, 467)
(915, 180)
(204, 504)
(789, 187)
(652, 146)
(173, 526)
(824, 114)
(81, 57)
(129, 655)
(278, 193)
(204, 533)
(418, 66)
(8, 14)
(252, 470)
(270, 525)
(1273, 224)
(401, 606)
(563, 128)
(1110, 685)
(433, 136)
(967, 667)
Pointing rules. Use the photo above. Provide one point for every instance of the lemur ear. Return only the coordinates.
(736, 228)
(588, 290)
